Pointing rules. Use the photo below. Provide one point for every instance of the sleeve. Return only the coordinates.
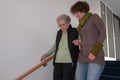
(99, 24)
(51, 50)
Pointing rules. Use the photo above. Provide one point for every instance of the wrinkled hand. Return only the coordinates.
(91, 57)
(76, 42)
(44, 57)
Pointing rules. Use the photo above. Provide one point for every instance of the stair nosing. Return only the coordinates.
(110, 76)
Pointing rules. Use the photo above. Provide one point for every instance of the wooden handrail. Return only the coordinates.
(35, 68)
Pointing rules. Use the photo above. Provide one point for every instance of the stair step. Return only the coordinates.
(111, 71)
(113, 64)
(107, 77)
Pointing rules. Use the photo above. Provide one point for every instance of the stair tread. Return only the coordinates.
(112, 64)
(107, 77)
(112, 71)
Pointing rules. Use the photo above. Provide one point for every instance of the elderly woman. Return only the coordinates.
(66, 52)
(92, 33)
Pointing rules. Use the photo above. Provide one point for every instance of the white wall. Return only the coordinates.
(27, 31)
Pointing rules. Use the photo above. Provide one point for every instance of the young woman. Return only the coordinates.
(92, 35)
(66, 53)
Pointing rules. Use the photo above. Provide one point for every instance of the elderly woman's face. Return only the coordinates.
(63, 25)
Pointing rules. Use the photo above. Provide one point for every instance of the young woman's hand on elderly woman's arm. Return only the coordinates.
(76, 42)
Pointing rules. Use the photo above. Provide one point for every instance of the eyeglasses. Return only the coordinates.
(62, 24)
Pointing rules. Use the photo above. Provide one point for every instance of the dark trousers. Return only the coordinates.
(63, 71)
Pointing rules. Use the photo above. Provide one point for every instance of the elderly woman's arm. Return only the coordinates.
(50, 52)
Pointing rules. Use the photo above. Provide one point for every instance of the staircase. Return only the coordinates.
(111, 71)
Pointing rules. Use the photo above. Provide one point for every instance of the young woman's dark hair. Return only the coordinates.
(80, 6)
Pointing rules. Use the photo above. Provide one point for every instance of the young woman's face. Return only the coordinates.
(79, 15)
(63, 25)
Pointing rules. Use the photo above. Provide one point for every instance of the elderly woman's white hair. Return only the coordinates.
(64, 17)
